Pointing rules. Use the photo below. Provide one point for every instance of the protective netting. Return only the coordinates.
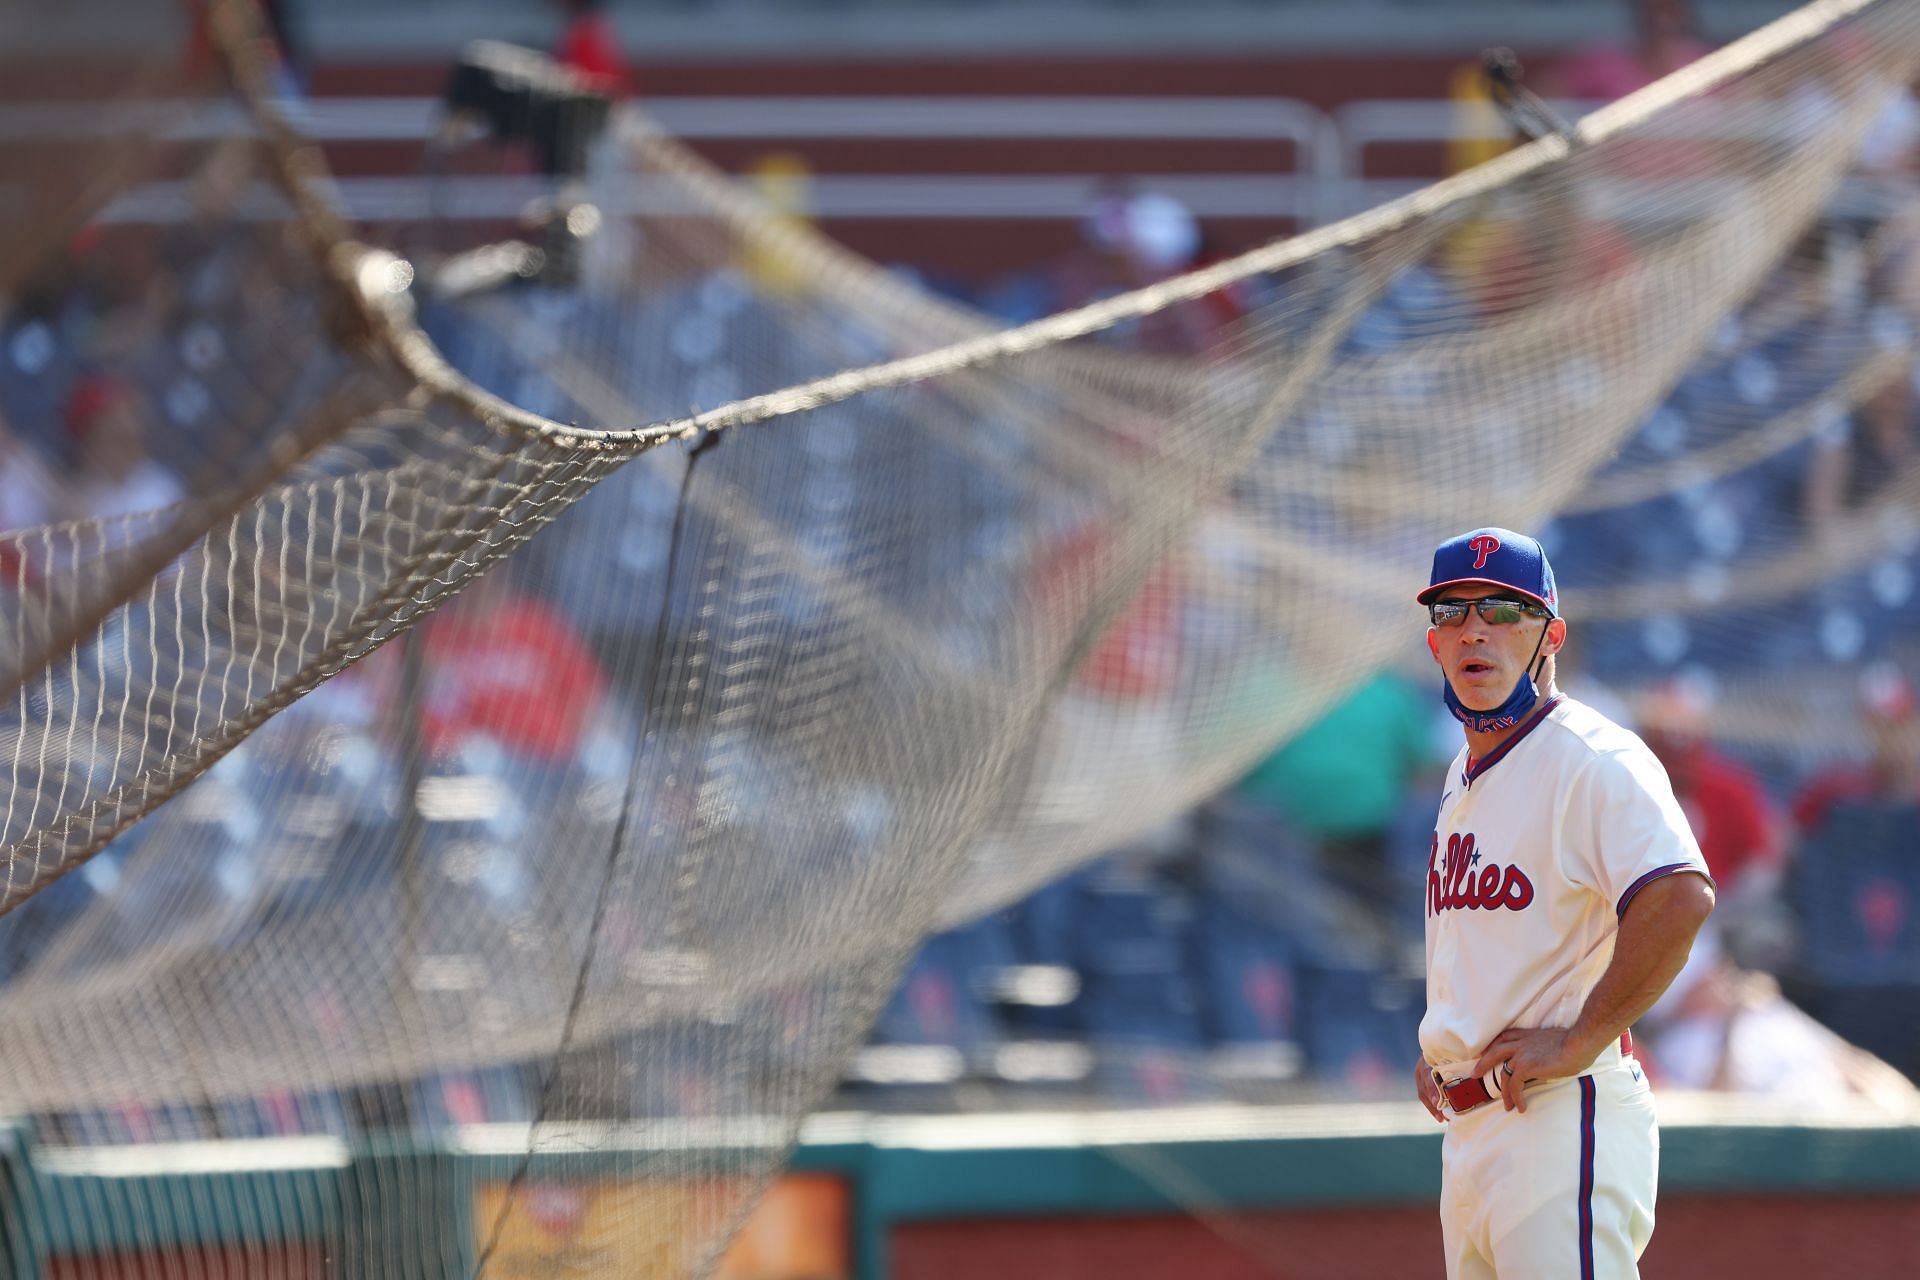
(631, 842)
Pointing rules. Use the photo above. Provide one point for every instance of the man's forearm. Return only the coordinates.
(1652, 947)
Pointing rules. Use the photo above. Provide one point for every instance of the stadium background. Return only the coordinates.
(1262, 950)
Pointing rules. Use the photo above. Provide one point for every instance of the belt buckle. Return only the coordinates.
(1448, 1086)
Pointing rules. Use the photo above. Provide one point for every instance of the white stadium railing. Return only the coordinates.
(1319, 171)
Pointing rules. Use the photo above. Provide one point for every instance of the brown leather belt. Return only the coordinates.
(1464, 1095)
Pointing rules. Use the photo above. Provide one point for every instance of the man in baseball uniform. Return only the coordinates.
(1563, 894)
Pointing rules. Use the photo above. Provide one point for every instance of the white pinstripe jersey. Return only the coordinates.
(1538, 850)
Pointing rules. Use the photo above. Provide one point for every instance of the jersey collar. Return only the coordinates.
(1477, 767)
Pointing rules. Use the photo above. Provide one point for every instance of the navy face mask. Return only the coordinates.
(1507, 714)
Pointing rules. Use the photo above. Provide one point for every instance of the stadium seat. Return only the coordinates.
(1040, 931)
(938, 1003)
(37, 370)
(282, 1113)
(1359, 1027)
(1151, 1006)
(1409, 846)
(449, 1101)
(1274, 880)
(1131, 950)
(1883, 1019)
(1247, 975)
(1857, 884)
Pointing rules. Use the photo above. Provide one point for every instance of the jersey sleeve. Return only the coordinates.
(1626, 829)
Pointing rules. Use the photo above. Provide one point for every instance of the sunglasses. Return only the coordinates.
(1494, 610)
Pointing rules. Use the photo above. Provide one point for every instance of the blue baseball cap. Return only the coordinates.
(1494, 558)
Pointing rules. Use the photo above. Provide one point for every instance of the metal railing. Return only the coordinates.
(1318, 171)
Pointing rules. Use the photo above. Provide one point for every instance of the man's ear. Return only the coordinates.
(1433, 643)
(1556, 636)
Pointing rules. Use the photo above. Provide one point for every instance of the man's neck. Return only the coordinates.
(1482, 745)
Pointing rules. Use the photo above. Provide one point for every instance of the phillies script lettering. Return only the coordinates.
(1461, 883)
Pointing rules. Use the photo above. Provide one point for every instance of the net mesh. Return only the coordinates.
(625, 848)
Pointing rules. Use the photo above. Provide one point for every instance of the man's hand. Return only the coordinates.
(1655, 935)
(1428, 1089)
(1535, 1053)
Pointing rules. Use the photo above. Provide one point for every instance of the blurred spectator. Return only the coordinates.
(1888, 151)
(1723, 1028)
(1738, 830)
(1575, 677)
(291, 64)
(1855, 880)
(113, 473)
(784, 183)
(1665, 38)
(217, 259)
(46, 313)
(1737, 825)
(1120, 698)
(507, 666)
(1137, 656)
(1222, 311)
(1097, 267)
(589, 45)
(117, 297)
(1341, 782)
(1851, 467)
(1891, 774)
(26, 488)
(1504, 264)
(1129, 239)
(1144, 238)
(1480, 133)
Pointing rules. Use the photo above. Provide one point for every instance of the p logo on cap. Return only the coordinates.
(1494, 558)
